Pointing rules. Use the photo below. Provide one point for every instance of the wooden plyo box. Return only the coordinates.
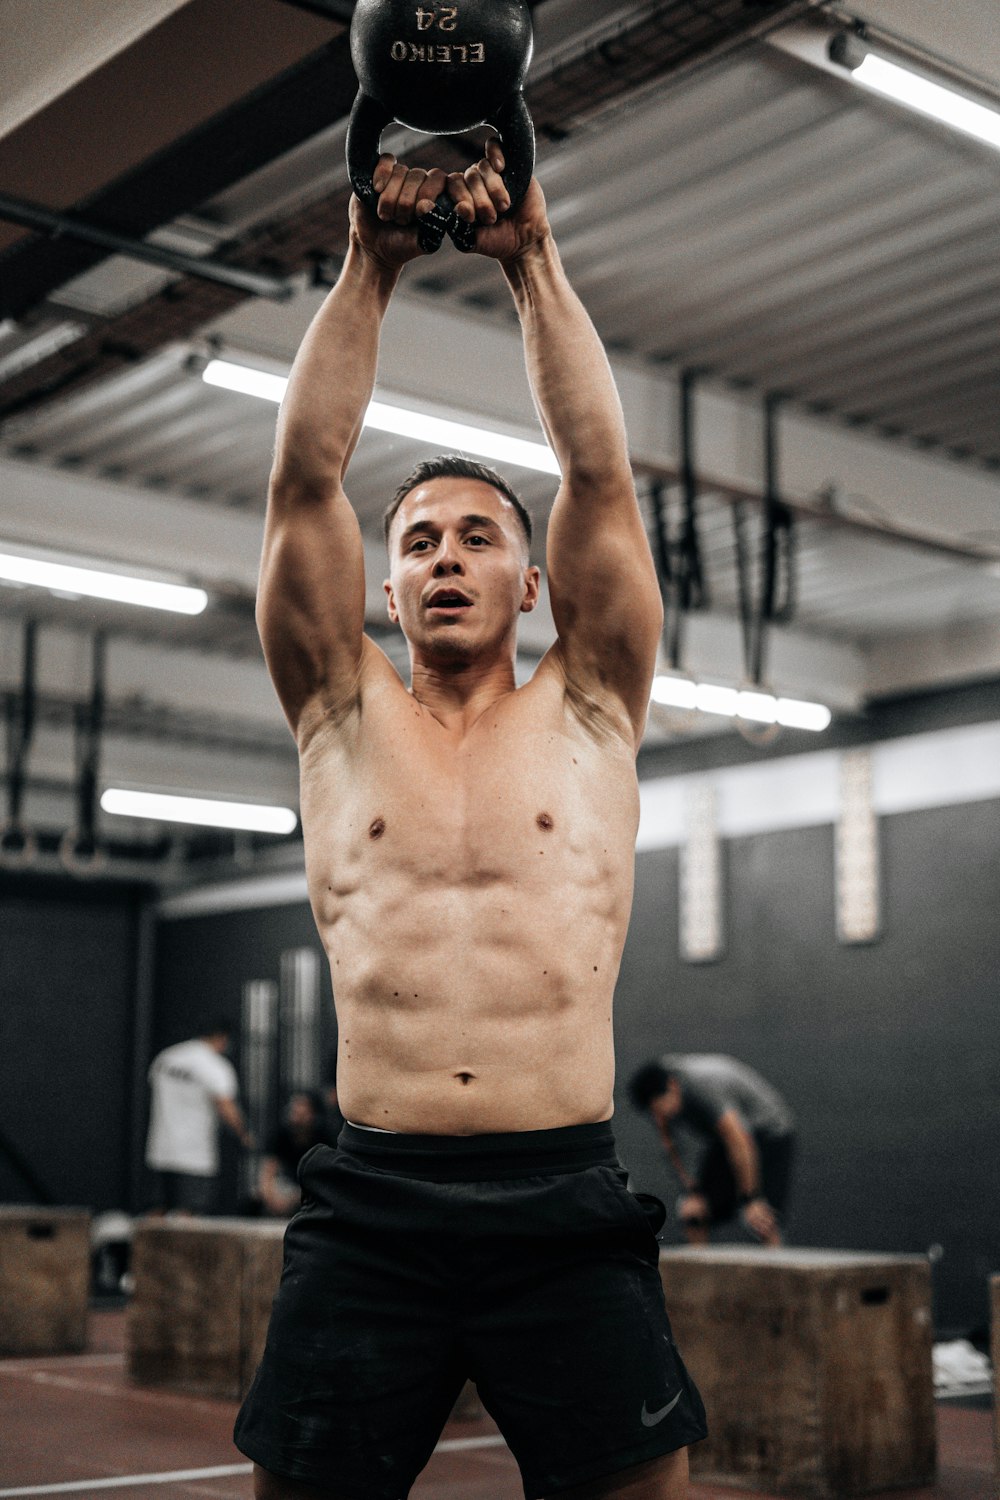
(44, 1279)
(197, 1321)
(198, 1316)
(814, 1366)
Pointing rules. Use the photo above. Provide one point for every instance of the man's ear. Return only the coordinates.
(391, 609)
(532, 584)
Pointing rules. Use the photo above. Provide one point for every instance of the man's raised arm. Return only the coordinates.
(311, 598)
(605, 597)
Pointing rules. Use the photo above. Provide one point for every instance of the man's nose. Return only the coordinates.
(448, 560)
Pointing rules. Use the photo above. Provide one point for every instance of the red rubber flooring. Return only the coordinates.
(68, 1423)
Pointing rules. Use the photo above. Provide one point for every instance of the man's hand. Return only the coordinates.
(759, 1217)
(692, 1208)
(480, 196)
(389, 235)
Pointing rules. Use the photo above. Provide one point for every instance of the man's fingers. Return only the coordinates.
(494, 153)
(406, 202)
(433, 186)
(389, 195)
(458, 190)
(383, 171)
(494, 185)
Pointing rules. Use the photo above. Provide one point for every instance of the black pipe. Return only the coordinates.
(33, 216)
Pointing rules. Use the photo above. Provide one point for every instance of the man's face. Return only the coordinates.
(666, 1106)
(458, 574)
(300, 1110)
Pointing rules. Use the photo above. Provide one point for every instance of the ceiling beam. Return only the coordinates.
(46, 50)
(301, 101)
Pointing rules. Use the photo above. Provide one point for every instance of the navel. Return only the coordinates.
(376, 828)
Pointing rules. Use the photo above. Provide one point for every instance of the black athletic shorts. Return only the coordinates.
(195, 1195)
(518, 1261)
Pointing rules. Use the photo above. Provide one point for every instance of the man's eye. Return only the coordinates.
(415, 546)
(478, 538)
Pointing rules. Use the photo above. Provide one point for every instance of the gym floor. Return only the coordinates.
(72, 1425)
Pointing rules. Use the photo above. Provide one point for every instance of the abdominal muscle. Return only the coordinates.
(508, 1031)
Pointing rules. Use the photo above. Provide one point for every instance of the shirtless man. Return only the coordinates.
(469, 849)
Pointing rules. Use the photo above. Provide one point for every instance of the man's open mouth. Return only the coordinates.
(448, 599)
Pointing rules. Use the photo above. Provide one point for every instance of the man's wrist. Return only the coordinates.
(538, 255)
(367, 264)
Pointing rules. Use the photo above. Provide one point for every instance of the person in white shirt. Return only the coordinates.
(192, 1087)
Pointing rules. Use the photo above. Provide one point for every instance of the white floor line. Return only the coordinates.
(463, 1445)
(221, 1471)
(124, 1481)
(78, 1361)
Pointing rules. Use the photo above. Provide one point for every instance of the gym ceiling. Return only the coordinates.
(809, 268)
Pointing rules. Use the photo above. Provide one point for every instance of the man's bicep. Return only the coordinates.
(311, 598)
(604, 593)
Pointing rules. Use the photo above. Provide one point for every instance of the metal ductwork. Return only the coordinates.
(570, 89)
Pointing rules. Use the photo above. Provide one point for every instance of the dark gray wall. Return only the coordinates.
(67, 971)
(889, 1054)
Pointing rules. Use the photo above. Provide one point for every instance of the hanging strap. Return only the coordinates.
(17, 844)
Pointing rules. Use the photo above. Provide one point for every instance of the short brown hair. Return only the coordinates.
(453, 466)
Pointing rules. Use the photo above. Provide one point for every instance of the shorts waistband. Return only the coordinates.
(479, 1158)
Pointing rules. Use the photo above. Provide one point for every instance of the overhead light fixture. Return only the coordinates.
(77, 580)
(914, 90)
(383, 416)
(752, 704)
(206, 812)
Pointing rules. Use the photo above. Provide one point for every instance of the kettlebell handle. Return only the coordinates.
(512, 124)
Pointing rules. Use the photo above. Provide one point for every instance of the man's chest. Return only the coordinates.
(514, 797)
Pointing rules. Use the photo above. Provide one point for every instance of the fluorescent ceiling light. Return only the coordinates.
(716, 700)
(244, 381)
(382, 416)
(252, 817)
(442, 433)
(916, 91)
(751, 704)
(62, 578)
(796, 714)
(674, 692)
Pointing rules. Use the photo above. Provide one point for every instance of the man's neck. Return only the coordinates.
(458, 694)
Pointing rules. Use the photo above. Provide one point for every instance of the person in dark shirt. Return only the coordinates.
(303, 1127)
(746, 1132)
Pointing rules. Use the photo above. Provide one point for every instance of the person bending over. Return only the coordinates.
(469, 849)
(746, 1132)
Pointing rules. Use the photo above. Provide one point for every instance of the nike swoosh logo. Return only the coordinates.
(650, 1418)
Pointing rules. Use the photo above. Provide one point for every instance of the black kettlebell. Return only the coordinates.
(441, 69)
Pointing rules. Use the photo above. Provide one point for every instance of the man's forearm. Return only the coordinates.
(568, 369)
(745, 1163)
(232, 1117)
(331, 381)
